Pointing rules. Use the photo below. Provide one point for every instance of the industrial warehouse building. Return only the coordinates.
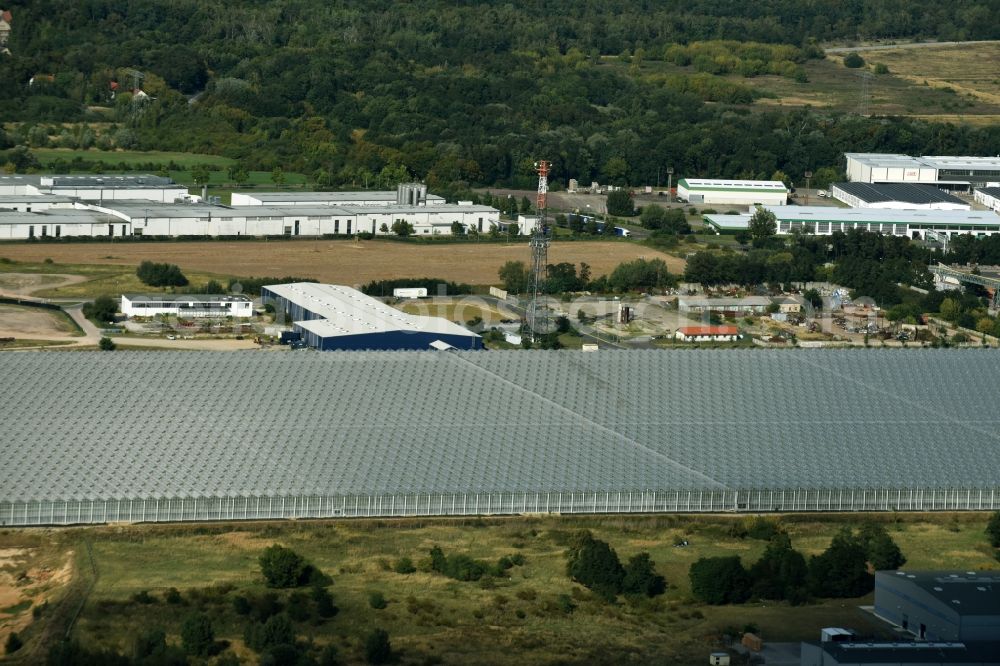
(97, 188)
(332, 317)
(825, 220)
(186, 305)
(408, 433)
(733, 192)
(214, 220)
(126, 206)
(951, 173)
(896, 196)
(989, 197)
(941, 605)
(406, 194)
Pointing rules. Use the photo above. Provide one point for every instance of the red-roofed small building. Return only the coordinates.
(707, 333)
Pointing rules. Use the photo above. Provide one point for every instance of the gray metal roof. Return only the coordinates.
(905, 192)
(965, 592)
(388, 196)
(189, 424)
(340, 310)
(990, 191)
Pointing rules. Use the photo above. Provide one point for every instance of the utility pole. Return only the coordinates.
(670, 177)
(808, 175)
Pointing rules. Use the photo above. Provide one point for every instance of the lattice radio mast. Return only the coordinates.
(539, 257)
(864, 106)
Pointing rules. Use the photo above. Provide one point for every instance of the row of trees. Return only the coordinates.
(871, 264)
(161, 275)
(782, 573)
(635, 275)
(460, 93)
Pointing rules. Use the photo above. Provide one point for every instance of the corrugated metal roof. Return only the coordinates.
(341, 310)
(195, 424)
(708, 330)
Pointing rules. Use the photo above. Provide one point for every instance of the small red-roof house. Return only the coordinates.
(707, 333)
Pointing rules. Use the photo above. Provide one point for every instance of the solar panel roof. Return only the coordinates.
(906, 192)
(194, 424)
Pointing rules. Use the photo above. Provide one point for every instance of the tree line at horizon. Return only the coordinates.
(470, 93)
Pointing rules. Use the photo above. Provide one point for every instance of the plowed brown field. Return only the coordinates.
(339, 262)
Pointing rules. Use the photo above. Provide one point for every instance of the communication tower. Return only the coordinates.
(537, 313)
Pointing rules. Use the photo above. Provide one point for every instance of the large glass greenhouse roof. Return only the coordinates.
(190, 424)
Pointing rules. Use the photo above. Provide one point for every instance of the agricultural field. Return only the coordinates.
(534, 614)
(111, 266)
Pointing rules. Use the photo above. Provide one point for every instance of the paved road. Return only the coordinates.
(912, 45)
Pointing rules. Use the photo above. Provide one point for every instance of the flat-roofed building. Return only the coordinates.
(941, 605)
(962, 173)
(825, 220)
(187, 306)
(59, 222)
(732, 192)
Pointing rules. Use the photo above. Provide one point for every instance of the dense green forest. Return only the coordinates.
(462, 92)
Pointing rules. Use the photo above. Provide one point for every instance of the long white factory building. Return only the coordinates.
(947, 172)
(825, 220)
(30, 207)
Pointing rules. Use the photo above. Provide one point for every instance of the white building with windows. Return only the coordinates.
(57, 223)
(186, 306)
(825, 220)
(732, 192)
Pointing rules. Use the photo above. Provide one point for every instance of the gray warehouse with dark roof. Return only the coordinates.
(941, 605)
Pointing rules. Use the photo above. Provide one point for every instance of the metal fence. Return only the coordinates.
(486, 504)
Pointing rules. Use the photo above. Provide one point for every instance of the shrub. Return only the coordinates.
(106, 344)
(241, 605)
(993, 529)
(283, 567)
(841, 571)
(102, 309)
(595, 564)
(278, 630)
(641, 578)
(14, 643)
(197, 635)
(404, 565)
(143, 597)
(172, 596)
(325, 607)
(298, 607)
(377, 600)
(720, 580)
(853, 61)
(378, 649)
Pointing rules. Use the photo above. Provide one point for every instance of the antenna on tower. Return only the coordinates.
(539, 257)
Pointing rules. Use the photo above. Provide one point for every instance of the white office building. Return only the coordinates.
(186, 306)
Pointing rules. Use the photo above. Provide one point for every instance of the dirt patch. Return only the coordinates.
(343, 262)
(24, 284)
(38, 585)
(34, 323)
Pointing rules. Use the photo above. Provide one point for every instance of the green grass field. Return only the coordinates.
(515, 620)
